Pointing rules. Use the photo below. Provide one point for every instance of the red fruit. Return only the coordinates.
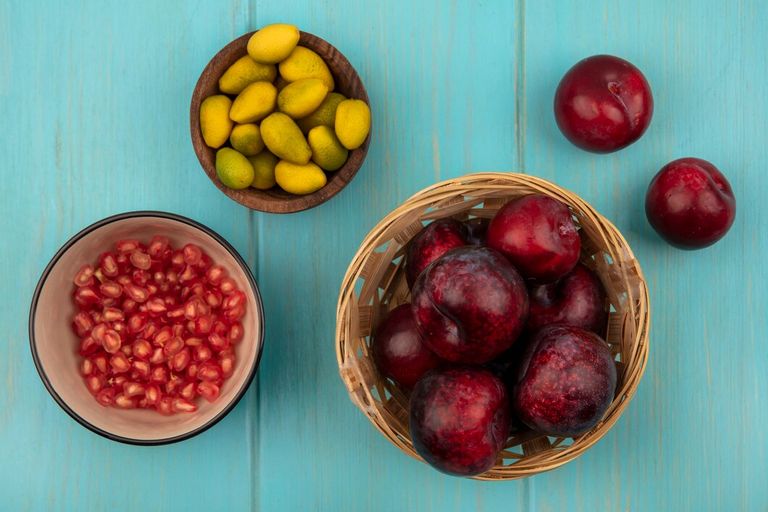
(108, 264)
(124, 402)
(202, 353)
(129, 305)
(127, 245)
(163, 336)
(578, 299)
(227, 362)
(158, 374)
(111, 341)
(470, 305)
(476, 230)
(213, 298)
(183, 405)
(82, 324)
(537, 234)
(86, 297)
(215, 274)
(110, 289)
(234, 300)
(86, 367)
(195, 307)
(173, 346)
(235, 332)
(136, 293)
(690, 203)
(203, 325)
(188, 274)
(209, 371)
(192, 370)
(208, 390)
(112, 315)
(193, 342)
(119, 363)
(227, 285)
(234, 314)
(158, 247)
(175, 313)
(177, 260)
(188, 391)
(218, 342)
(132, 389)
(180, 360)
(430, 243)
(141, 349)
(137, 322)
(141, 260)
(192, 254)
(165, 405)
(460, 419)
(603, 104)
(398, 350)
(141, 278)
(157, 356)
(152, 394)
(94, 383)
(84, 276)
(88, 345)
(106, 397)
(100, 361)
(141, 369)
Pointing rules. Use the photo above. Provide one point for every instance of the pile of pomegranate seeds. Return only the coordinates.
(156, 326)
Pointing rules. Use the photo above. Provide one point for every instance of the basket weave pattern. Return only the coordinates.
(375, 283)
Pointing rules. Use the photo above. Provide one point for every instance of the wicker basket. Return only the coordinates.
(375, 283)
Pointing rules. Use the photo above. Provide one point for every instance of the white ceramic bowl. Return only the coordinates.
(54, 345)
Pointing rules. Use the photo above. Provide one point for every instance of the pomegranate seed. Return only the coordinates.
(235, 332)
(108, 264)
(141, 369)
(125, 402)
(101, 363)
(234, 314)
(192, 370)
(203, 353)
(142, 349)
(177, 259)
(163, 335)
(86, 297)
(172, 385)
(208, 390)
(98, 332)
(111, 341)
(165, 405)
(112, 314)
(180, 360)
(94, 383)
(218, 342)
(173, 346)
(123, 280)
(110, 289)
(152, 394)
(232, 301)
(126, 349)
(106, 397)
(213, 299)
(227, 285)
(209, 371)
(127, 245)
(150, 330)
(156, 306)
(194, 308)
(82, 324)
(178, 330)
(86, 367)
(220, 328)
(205, 262)
(132, 389)
(157, 356)
(84, 276)
(197, 289)
(215, 274)
(175, 313)
(140, 278)
(158, 374)
(202, 325)
(183, 405)
(119, 363)
(152, 289)
(141, 260)
(98, 274)
(158, 278)
(187, 275)
(158, 246)
(118, 326)
(192, 254)
(137, 322)
(172, 277)
(170, 300)
(227, 362)
(136, 293)
(188, 391)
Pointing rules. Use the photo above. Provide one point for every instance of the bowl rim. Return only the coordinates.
(295, 203)
(76, 238)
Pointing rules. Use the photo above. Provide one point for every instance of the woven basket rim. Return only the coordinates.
(478, 183)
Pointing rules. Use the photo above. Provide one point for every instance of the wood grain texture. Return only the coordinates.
(94, 100)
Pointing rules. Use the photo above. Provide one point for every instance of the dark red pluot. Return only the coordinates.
(537, 234)
(398, 351)
(430, 243)
(603, 104)
(566, 381)
(578, 299)
(690, 203)
(476, 230)
(470, 305)
(460, 419)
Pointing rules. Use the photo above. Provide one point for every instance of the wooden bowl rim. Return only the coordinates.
(267, 201)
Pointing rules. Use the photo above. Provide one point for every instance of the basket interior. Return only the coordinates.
(380, 286)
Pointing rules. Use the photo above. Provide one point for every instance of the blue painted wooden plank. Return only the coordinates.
(692, 439)
(94, 100)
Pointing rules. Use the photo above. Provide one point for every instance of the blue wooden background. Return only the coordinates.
(94, 100)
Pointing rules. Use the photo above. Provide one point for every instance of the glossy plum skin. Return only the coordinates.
(430, 243)
(690, 203)
(566, 381)
(460, 419)
(476, 230)
(537, 234)
(603, 104)
(398, 350)
(578, 299)
(470, 305)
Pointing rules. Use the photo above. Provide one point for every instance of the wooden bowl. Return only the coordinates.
(276, 200)
(54, 344)
(375, 284)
